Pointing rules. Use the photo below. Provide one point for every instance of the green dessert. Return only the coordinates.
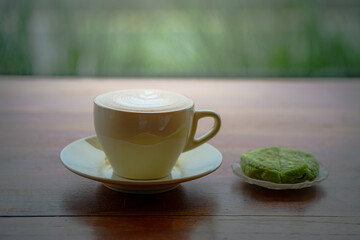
(280, 165)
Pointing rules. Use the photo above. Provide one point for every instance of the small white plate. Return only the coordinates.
(323, 174)
(86, 158)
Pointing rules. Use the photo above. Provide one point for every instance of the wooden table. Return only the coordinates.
(41, 199)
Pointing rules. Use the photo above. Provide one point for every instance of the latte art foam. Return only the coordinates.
(144, 100)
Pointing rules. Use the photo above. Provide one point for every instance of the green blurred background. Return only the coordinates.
(168, 38)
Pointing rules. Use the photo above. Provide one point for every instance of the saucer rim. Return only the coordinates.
(134, 182)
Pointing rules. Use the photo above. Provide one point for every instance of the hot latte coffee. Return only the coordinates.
(144, 131)
(144, 100)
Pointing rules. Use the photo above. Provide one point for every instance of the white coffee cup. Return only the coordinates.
(144, 131)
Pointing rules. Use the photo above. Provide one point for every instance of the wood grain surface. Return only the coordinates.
(40, 199)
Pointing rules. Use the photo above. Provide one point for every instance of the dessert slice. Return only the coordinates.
(280, 165)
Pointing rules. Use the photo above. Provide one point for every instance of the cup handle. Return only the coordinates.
(195, 142)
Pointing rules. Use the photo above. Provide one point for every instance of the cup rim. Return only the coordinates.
(98, 104)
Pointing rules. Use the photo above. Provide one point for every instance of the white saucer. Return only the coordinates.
(323, 174)
(86, 158)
